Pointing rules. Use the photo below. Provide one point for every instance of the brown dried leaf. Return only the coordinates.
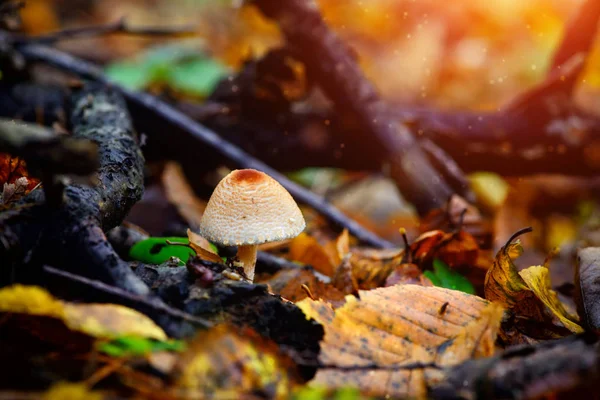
(307, 250)
(202, 247)
(13, 168)
(455, 248)
(288, 284)
(371, 267)
(407, 274)
(179, 193)
(401, 325)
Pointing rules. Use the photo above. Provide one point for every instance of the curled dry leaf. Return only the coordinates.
(202, 247)
(454, 248)
(397, 326)
(529, 292)
(371, 267)
(226, 362)
(106, 321)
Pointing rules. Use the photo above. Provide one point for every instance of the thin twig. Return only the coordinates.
(133, 298)
(118, 27)
(203, 135)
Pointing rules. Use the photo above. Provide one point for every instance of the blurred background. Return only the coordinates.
(453, 55)
(463, 54)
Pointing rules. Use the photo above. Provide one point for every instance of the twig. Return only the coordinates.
(141, 302)
(202, 135)
(117, 27)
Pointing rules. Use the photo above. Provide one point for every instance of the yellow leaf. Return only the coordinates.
(401, 325)
(538, 280)
(491, 190)
(110, 321)
(225, 362)
(202, 247)
(70, 391)
(31, 300)
(96, 320)
(527, 293)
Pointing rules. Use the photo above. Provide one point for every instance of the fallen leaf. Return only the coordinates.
(12, 192)
(203, 247)
(407, 274)
(537, 279)
(127, 346)
(458, 214)
(105, 321)
(528, 292)
(71, 391)
(443, 276)
(226, 362)
(398, 326)
(371, 267)
(181, 195)
(288, 284)
(455, 248)
(307, 250)
(13, 168)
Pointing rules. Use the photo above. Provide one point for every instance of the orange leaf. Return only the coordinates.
(401, 325)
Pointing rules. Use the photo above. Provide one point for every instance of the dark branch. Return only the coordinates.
(117, 27)
(71, 236)
(330, 63)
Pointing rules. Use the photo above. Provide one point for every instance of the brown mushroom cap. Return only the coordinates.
(249, 207)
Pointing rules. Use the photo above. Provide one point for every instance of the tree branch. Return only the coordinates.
(331, 65)
(71, 236)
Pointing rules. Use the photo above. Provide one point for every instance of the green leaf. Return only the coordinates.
(443, 276)
(136, 346)
(184, 68)
(155, 250)
(197, 77)
(129, 74)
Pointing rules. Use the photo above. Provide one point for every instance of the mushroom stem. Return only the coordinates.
(247, 255)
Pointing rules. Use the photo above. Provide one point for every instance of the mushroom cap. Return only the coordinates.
(249, 207)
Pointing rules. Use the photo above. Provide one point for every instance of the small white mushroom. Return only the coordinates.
(248, 208)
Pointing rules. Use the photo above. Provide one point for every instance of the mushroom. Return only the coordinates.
(248, 208)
